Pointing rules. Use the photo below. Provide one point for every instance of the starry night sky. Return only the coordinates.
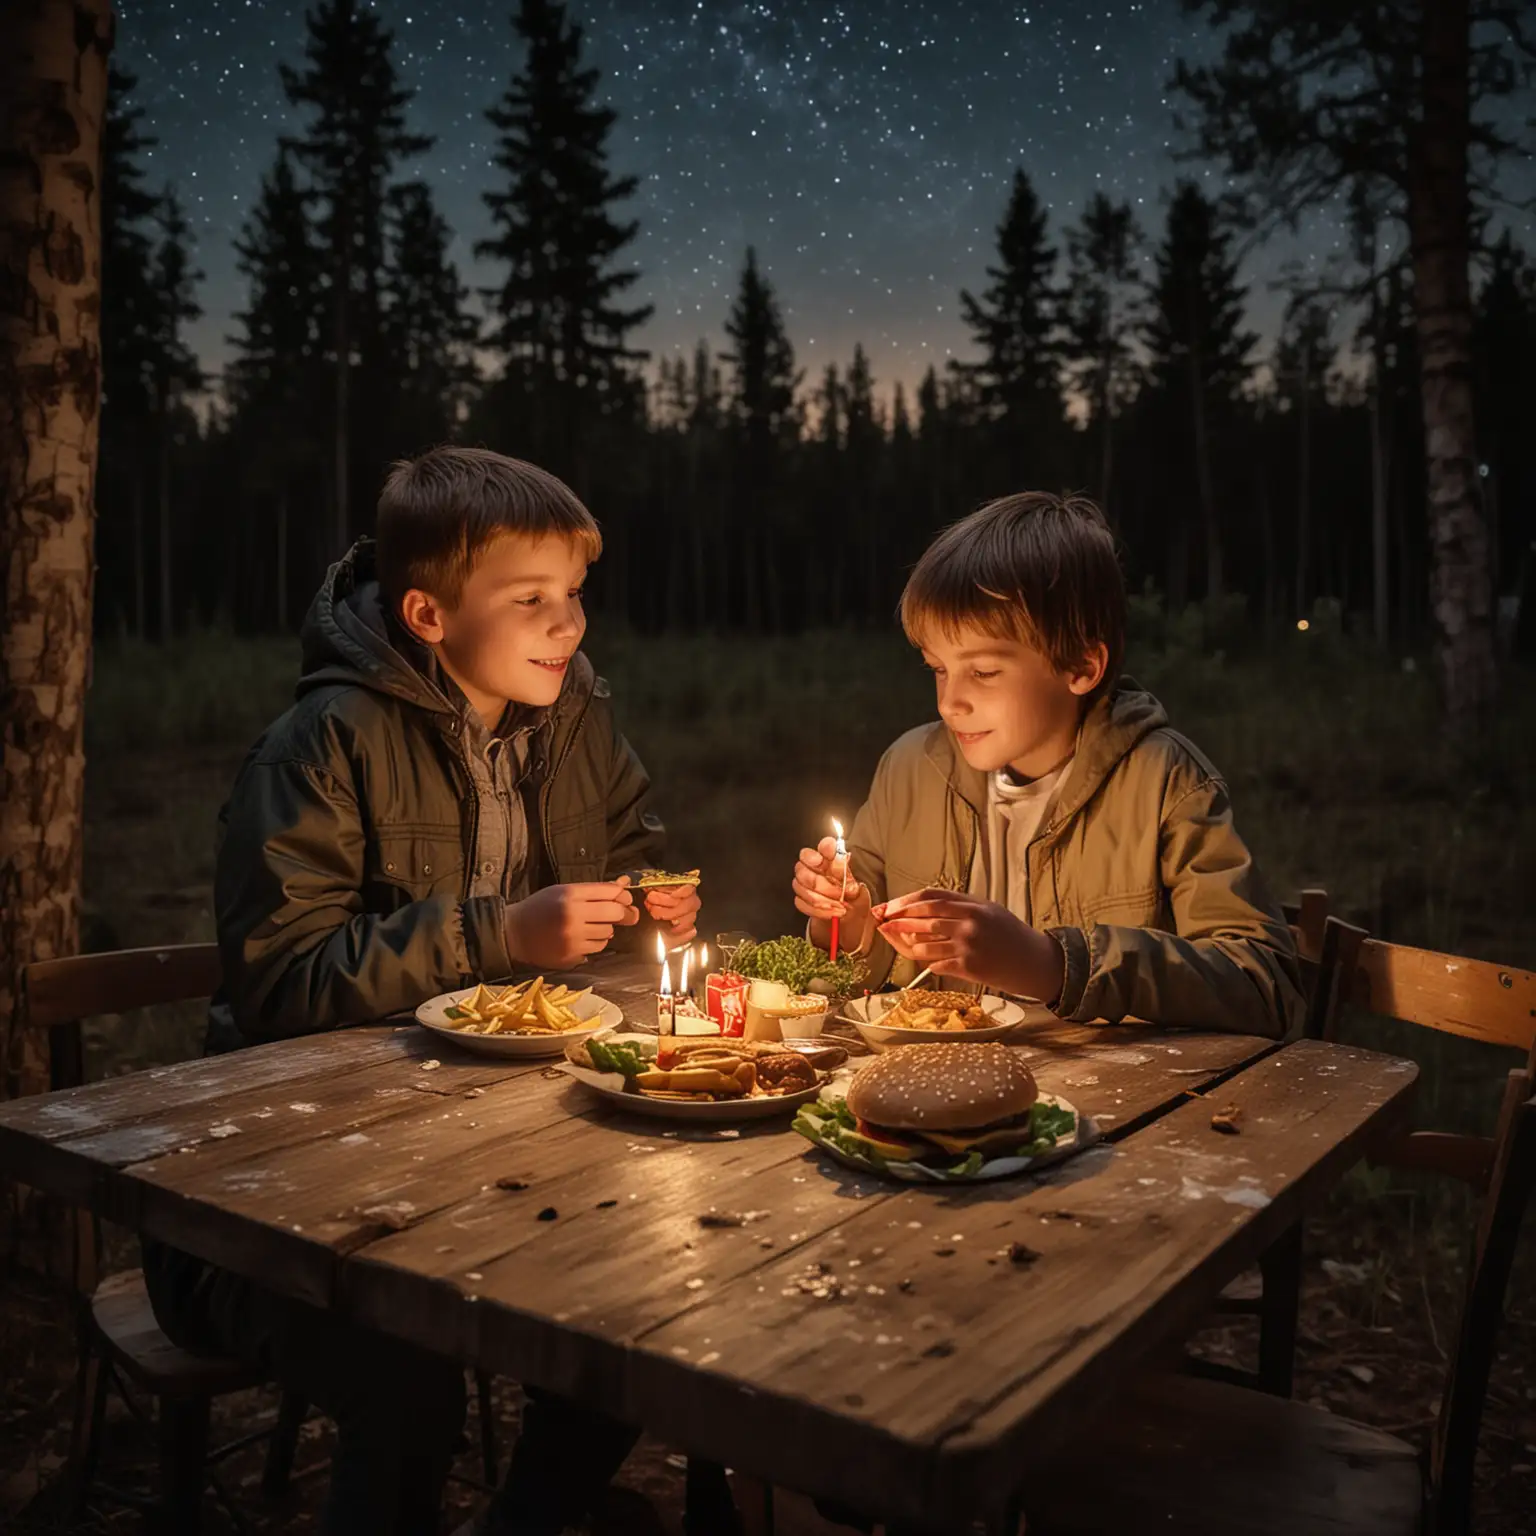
(865, 148)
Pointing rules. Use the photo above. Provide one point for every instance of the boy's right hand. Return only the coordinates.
(563, 924)
(820, 893)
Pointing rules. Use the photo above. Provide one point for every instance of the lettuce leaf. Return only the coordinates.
(617, 1056)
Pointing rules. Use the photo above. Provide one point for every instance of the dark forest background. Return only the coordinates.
(1282, 480)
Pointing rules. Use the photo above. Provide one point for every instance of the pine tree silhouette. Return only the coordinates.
(175, 372)
(1200, 357)
(765, 426)
(1101, 311)
(276, 380)
(128, 236)
(428, 334)
(558, 323)
(355, 139)
(1014, 323)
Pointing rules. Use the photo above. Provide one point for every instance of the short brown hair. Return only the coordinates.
(440, 509)
(1033, 567)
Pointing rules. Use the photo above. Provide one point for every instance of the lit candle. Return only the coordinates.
(840, 852)
(666, 1008)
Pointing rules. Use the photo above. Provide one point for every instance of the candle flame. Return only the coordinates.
(682, 972)
(666, 979)
(703, 957)
(837, 828)
(661, 949)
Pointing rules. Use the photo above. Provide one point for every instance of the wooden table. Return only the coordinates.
(908, 1350)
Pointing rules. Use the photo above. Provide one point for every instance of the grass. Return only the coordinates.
(1340, 771)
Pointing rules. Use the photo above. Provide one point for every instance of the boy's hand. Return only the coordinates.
(563, 924)
(675, 904)
(819, 893)
(960, 935)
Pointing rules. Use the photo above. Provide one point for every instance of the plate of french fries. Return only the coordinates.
(720, 1081)
(521, 1018)
(918, 1014)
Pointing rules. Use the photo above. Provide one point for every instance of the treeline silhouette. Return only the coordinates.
(734, 490)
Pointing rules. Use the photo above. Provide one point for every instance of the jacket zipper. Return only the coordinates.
(548, 784)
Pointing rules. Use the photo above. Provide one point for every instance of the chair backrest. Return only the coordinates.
(1480, 1001)
(1308, 917)
(58, 994)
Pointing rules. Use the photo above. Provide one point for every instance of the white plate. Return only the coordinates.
(597, 1012)
(610, 1086)
(1085, 1134)
(866, 1013)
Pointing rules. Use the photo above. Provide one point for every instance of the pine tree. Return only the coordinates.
(127, 241)
(429, 335)
(559, 323)
(280, 337)
(1014, 325)
(354, 141)
(765, 425)
(1101, 314)
(127, 347)
(1199, 356)
(276, 377)
(175, 372)
(865, 443)
(1303, 356)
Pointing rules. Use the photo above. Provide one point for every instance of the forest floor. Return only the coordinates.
(1341, 776)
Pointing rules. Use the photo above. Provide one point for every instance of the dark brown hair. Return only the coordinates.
(438, 511)
(1033, 567)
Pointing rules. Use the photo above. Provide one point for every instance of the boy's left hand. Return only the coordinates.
(678, 905)
(956, 934)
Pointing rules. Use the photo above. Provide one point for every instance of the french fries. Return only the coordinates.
(953, 1011)
(525, 1008)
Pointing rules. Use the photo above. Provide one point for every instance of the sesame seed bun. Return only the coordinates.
(943, 1087)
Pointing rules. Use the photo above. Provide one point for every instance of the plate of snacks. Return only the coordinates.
(950, 1113)
(527, 1018)
(927, 1014)
(710, 1081)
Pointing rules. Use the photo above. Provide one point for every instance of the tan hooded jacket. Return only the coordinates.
(1137, 871)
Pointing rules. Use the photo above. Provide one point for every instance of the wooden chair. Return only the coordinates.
(1202, 1457)
(120, 1342)
(1273, 1295)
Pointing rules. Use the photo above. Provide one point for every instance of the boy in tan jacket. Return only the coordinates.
(1051, 836)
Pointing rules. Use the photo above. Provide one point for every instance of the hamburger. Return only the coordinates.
(950, 1106)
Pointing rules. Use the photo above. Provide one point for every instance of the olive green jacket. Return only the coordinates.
(1138, 871)
(345, 860)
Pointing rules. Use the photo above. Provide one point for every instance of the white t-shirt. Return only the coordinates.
(1015, 813)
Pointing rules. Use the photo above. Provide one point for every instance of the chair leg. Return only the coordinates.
(486, 1408)
(183, 1462)
(90, 1413)
(708, 1506)
(1279, 1315)
(291, 1413)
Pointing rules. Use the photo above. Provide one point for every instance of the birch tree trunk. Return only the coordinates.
(53, 91)
(1460, 578)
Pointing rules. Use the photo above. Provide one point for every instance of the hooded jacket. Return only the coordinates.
(1137, 871)
(346, 886)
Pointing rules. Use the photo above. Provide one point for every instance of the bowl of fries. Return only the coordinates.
(918, 1014)
(524, 1018)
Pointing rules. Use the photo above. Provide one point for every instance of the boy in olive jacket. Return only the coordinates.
(1051, 836)
(447, 798)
